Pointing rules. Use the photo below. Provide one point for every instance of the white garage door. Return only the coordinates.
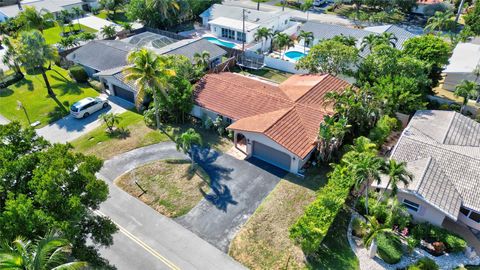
(270, 155)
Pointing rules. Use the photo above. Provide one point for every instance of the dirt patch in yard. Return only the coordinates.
(172, 188)
(264, 242)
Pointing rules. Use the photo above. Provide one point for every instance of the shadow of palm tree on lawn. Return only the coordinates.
(220, 196)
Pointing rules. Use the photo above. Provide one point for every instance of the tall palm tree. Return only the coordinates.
(49, 252)
(283, 42)
(187, 140)
(35, 53)
(397, 173)
(374, 228)
(369, 41)
(149, 72)
(307, 37)
(440, 21)
(11, 57)
(78, 13)
(467, 90)
(32, 19)
(202, 59)
(263, 34)
(346, 40)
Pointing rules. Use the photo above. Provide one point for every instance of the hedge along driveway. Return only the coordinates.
(32, 92)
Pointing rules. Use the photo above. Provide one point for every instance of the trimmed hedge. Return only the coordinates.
(78, 74)
(389, 248)
(424, 264)
(431, 233)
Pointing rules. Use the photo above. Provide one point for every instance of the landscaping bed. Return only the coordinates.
(171, 186)
(32, 92)
(264, 242)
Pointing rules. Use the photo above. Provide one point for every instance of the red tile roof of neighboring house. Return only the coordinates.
(289, 114)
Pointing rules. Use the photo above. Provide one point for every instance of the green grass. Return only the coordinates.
(53, 35)
(119, 17)
(335, 252)
(31, 91)
(275, 75)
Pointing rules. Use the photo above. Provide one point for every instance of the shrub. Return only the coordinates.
(454, 243)
(412, 243)
(444, 107)
(208, 123)
(429, 232)
(389, 248)
(455, 107)
(359, 227)
(78, 74)
(383, 128)
(424, 264)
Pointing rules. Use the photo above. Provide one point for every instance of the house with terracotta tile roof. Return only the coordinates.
(277, 123)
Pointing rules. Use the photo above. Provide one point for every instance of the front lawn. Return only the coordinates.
(119, 17)
(53, 35)
(275, 75)
(264, 242)
(103, 145)
(172, 188)
(100, 143)
(31, 91)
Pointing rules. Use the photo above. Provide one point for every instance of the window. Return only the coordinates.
(475, 216)
(464, 211)
(411, 205)
(241, 36)
(227, 33)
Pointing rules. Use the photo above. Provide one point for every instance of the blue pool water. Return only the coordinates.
(295, 55)
(220, 42)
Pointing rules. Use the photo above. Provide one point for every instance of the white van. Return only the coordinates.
(87, 106)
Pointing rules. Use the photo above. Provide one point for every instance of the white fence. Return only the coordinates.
(282, 65)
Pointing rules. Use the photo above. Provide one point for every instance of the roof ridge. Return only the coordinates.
(448, 128)
(325, 75)
(424, 172)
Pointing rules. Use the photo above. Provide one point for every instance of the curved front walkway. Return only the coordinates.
(147, 239)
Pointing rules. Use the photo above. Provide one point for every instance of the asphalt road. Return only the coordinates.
(69, 128)
(147, 239)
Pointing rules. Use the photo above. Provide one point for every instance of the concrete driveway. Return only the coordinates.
(69, 128)
(238, 188)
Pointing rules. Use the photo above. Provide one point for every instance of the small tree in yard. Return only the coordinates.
(187, 140)
(374, 228)
(110, 120)
(108, 31)
(467, 90)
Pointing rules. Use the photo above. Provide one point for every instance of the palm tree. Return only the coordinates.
(307, 37)
(330, 136)
(283, 42)
(49, 252)
(78, 13)
(440, 21)
(35, 53)
(467, 90)
(164, 7)
(374, 228)
(187, 140)
(150, 73)
(389, 38)
(362, 145)
(397, 172)
(110, 120)
(202, 59)
(127, 27)
(263, 34)
(61, 23)
(346, 40)
(369, 41)
(108, 31)
(65, 15)
(307, 4)
(11, 57)
(32, 19)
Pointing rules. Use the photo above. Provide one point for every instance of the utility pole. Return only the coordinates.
(459, 11)
(244, 16)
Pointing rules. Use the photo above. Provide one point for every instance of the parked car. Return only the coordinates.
(87, 106)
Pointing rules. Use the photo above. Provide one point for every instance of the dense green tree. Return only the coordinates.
(12, 58)
(49, 252)
(32, 19)
(472, 18)
(48, 187)
(329, 56)
(35, 53)
(432, 50)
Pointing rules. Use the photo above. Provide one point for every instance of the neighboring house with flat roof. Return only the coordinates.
(442, 151)
(278, 123)
(110, 72)
(323, 31)
(53, 6)
(463, 65)
(226, 22)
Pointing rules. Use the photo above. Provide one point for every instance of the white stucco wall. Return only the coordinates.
(283, 65)
(202, 113)
(426, 212)
(453, 79)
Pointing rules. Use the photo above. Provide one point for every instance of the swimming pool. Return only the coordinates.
(294, 55)
(217, 41)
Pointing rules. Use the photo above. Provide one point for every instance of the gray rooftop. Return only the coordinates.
(442, 150)
(50, 5)
(101, 54)
(188, 48)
